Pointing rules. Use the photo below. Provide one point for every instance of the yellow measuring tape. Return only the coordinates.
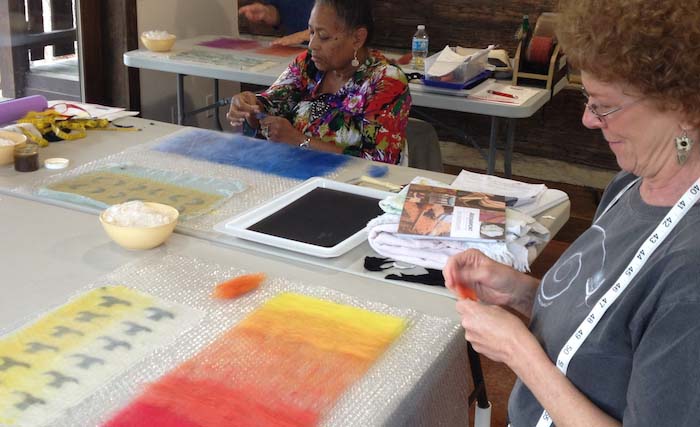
(51, 120)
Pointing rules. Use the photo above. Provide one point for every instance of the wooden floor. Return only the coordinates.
(584, 201)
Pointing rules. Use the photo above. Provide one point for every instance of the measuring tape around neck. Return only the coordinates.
(673, 217)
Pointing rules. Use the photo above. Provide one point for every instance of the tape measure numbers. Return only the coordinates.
(660, 233)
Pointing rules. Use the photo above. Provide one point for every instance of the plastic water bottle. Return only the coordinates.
(419, 48)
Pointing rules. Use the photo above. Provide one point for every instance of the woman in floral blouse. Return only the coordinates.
(338, 96)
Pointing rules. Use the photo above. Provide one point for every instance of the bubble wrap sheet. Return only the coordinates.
(422, 379)
(67, 354)
(259, 186)
(190, 195)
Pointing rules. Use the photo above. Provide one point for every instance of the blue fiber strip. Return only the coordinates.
(377, 171)
(250, 153)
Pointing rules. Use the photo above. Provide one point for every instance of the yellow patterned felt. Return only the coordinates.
(113, 188)
(65, 355)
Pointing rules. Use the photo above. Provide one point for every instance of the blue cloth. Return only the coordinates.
(294, 15)
(250, 153)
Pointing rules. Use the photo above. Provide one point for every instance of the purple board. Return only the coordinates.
(229, 43)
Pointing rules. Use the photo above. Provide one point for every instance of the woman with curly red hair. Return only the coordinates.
(614, 332)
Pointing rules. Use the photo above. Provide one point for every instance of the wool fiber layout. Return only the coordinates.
(286, 364)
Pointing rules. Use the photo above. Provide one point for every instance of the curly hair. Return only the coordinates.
(654, 47)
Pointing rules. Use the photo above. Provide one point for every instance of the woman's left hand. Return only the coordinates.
(279, 129)
(295, 38)
(494, 332)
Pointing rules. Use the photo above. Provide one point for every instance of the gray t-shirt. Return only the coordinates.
(641, 364)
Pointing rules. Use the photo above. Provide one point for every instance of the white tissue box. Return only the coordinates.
(451, 75)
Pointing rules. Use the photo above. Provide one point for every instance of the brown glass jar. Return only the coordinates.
(27, 158)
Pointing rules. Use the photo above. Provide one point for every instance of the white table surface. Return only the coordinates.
(99, 144)
(49, 254)
(165, 62)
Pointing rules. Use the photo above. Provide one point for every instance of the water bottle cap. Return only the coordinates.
(421, 27)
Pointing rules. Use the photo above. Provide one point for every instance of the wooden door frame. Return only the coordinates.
(106, 31)
(13, 65)
(23, 38)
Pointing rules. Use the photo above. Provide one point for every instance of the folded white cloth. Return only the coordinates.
(522, 231)
(517, 193)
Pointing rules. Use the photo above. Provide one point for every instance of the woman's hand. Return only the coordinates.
(279, 129)
(244, 106)
(260, 14)
(493, 282)
(296, 38)
(494, 332)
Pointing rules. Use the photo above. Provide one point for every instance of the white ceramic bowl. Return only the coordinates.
(7, 155)
(142, 237)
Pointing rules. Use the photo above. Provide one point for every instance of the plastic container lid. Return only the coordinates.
(56, 163)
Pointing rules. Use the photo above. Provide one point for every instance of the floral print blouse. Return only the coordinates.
(367, 116)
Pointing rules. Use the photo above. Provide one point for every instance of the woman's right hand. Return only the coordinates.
(493, 282)
(244, 106)
(259, 13)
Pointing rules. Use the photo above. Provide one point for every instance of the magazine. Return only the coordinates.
(447, 213)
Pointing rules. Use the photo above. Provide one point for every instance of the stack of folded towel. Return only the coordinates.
(522, 231)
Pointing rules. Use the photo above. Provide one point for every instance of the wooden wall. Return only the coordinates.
(555, 132)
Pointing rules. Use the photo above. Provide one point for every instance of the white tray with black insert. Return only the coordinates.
(320, 217)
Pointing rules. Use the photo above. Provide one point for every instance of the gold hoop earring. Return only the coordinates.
(683, 145)
(355, 62)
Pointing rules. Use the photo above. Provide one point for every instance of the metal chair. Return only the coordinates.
(422, 146)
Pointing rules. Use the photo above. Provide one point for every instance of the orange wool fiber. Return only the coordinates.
(176, 401)
(238, 285)
(285, 365)
(294, 372)
(466, 292)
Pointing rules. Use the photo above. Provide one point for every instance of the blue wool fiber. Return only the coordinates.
(250, 153)
(377, 171)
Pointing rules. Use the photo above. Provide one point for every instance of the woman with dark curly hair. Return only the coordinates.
(614, 335)
(339, 96)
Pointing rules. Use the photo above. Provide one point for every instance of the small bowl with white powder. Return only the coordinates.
(157, 40)
(139, 225)
(8, 142)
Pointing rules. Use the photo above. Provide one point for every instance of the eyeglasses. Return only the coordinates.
(602, 115)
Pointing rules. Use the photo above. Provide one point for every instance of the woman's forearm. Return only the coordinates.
(566, 405)
(524, 294)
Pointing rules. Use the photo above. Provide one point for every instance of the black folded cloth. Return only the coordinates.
(433, 277)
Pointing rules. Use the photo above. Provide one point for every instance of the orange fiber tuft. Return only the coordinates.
(239, 285)
(466, 292)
